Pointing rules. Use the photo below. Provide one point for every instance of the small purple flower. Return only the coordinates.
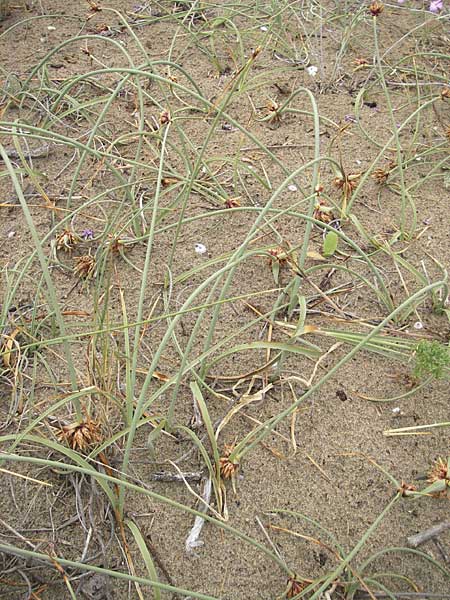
(436, 6)
(349, 119)
(87, 234)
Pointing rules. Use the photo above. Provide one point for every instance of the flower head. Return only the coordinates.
(436, 6)
(376, 8)
(87, 234)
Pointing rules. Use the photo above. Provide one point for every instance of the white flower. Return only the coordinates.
(312, 70)
(292, 188)
(200, 248)
(418, 325)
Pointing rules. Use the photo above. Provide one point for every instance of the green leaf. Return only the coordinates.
(330, 243)
(145, 555)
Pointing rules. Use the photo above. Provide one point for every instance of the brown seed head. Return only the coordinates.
(439, 472)
(323, 213)
(380, 175)
(294, 587)
(256, 51)
(445, 92)
(347, 183)
(81, 436)
(273, 108)
(233, 202)
(376, 8)
(278, 254)
(227, 468)
(406, 489)
(85, 266)
(67, 240)
(164, 117)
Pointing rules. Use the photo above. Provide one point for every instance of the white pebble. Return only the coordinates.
(11, 234)
(51, 28)
(418, 325)
(396, 410)
(200, 248)
(312, 70)
(264, 28)
(292, 188)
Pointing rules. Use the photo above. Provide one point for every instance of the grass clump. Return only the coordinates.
(431, 359)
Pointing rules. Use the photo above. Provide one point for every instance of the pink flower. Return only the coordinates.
(436, 6)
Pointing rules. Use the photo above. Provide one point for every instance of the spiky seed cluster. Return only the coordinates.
(85, 266)
(67, 240)
(439, 472)
(273, 108)
(380, 175)
(406, 489)
(323, 213)
(164, 117)
(278, 254)
(227, 468)
(233, 202)
(376, 8)
(81, 436)
(294, 587)
(347, 183)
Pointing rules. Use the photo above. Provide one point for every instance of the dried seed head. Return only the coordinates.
(439, 472)
(323, 213)
(360, 62)
(294, 587)
(164, 117)
(376, 8)
(94, 6)
(81, 436)
(347, 183)
(278, 254)
(445, 92)
(380, 175)
(85, 266)
(233, 202)
(227, 468)
(256, 51)
(406, 489)
(273, 108)
(67, 240)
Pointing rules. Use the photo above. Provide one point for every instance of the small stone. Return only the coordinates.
(264, 28)
(418, 325)
(200, 248)
(11, 234)
(51, 28)
(312, 70)
(292, 188)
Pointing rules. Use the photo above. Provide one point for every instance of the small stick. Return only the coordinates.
(428, 534)
(36, 153)
(169, 477)
(418, 595)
